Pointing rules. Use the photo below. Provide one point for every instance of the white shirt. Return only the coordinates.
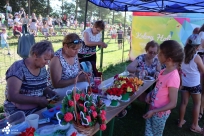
(192, 74)
(10, 21)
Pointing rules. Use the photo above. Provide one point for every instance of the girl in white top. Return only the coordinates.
(191, 69)
(91, 38)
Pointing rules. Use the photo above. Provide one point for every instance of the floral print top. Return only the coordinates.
(68, 71)
(151, 69)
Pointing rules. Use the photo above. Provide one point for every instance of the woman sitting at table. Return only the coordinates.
(147, 62)
(26, 79)
(64, 66)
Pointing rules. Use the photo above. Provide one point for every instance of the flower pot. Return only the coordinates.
(114, 102)
(125, 96)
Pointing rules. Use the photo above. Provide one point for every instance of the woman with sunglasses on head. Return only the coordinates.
(64, 67)
(91, 38)
(147, 62)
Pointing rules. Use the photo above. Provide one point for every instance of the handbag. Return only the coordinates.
(25, 42)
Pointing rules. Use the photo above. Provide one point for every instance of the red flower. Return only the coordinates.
(103, 117)
(94, 113)
(68, 116)
(85, 109)
(89, 118)
(92, 108)
(81, 105)
(103, 112)
(74, 134)
(82, 95)
(71, 103)
(77, 97)
(103, 127)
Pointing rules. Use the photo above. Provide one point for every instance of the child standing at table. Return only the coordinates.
(163, 97)
(4, 42)
(192, 67)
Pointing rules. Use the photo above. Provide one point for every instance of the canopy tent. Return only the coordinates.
(174, 6)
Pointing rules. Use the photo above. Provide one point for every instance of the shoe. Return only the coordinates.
(180, 126)
(9, 54)
(122, 114)
(197, 131)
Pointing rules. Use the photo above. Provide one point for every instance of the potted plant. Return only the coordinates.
(114, 94)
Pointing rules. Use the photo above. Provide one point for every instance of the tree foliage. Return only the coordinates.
(37, 6)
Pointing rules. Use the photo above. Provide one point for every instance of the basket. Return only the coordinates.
(80, 128)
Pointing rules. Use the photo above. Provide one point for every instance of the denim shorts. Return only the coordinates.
(193, 90)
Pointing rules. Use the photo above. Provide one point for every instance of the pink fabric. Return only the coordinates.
(160, 94)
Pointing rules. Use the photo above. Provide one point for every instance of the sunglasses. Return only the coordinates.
(76, 41)
(152, 52)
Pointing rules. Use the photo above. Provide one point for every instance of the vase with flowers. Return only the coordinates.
(114, 94)
(128, 85)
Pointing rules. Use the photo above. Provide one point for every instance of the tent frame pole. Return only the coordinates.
(124, 33)
(86, 7)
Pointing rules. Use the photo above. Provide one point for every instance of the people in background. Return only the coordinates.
(25, 23)
(4, 42)
(33, 26)
(192, 68)
(113, 33)
(22, 12)
(17, 30)
(8, 9)
(64, 66)
(10, 22)
(164, 96)
(120, 37)
(26, 79)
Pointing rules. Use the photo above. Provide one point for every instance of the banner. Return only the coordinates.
(160, 28)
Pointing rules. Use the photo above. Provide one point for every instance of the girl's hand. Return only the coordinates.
(149, 114)
(147, 99)
(156, 75)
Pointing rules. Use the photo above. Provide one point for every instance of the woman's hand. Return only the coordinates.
(156, 75)
(48, 93)
(149, 114)
(42, 102)
(82, 78)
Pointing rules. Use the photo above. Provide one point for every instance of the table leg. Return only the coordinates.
(111, 123)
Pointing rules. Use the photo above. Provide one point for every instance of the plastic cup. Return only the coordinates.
(97, 81)
(32, 120)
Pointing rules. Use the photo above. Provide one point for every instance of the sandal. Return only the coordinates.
(196, 131)
(200, 116)
(184, 121)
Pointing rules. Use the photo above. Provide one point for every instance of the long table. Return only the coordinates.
(111, 112)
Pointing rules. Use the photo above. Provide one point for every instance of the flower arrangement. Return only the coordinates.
(114, 93)
(127, 84)
(84, 110)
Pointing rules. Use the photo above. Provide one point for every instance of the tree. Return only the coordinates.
(37, 6)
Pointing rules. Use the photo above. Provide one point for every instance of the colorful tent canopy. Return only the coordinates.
(173, 6)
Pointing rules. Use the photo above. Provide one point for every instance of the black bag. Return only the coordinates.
(24, 44)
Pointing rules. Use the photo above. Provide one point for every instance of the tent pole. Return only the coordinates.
(124, 33)
(85, 14)
(101, 59)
